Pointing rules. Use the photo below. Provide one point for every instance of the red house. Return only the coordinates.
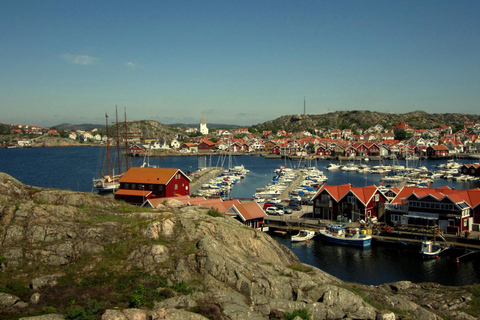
(452, 211)
(437, 151)
(348, 202)
(206, 145)
(140, 184)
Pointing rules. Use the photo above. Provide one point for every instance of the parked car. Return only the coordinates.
(295, 205)
(285, 208)
(307, 202)
(274, 211)
(268, 205)
(275, 200)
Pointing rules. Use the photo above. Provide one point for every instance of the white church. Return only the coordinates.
(203, 126)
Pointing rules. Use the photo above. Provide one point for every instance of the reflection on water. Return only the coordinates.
(385, 263)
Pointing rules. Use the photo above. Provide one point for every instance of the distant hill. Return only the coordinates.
(73, 127)
(365, 119)
(210, 126)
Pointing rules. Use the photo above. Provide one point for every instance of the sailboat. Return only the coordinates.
(108, 181)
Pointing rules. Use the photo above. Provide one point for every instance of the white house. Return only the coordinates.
(175, 144)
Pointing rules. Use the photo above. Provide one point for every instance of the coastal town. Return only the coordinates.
(403, 201)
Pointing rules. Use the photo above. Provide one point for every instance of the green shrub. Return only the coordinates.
(302, 313)
(215, 213)
(86, 313)
(181, 287)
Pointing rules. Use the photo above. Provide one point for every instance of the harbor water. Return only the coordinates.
(73, 168)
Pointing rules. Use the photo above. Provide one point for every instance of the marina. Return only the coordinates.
(73, 168)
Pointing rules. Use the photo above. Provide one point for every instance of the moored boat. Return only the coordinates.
(431, 249)
(303, 235)
(338, 234)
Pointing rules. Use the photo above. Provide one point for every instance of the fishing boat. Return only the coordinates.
(431, 249)
(303, 235)
(339, 234)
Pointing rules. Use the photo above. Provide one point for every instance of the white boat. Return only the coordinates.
(350, 167)
(332, 166)
(338, 234)
(303, 235)
(431, 249)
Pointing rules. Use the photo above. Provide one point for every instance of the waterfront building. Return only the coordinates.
(249, 213)
(471, 169)
(206, 145)
(346, 202)
(189, 147)
(437, 151)
(140, 184)
(452, 211)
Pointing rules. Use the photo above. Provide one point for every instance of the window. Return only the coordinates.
(176, 187)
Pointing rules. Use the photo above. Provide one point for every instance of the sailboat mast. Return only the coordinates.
(118, 143)
(108, 146)
(126, 139)
(230, 154)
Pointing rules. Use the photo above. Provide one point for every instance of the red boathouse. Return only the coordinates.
(140, 184)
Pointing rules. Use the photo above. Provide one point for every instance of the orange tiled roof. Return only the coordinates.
(364, 194)
(129, 192)
(250, 210)
(150, 175)
(472, 196)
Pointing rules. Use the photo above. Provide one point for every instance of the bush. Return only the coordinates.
(302, 313)
(88, 313)
(214, 213)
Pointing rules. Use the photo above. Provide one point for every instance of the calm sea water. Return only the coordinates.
(74, 168)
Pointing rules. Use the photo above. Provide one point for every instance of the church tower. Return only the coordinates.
(203, 125)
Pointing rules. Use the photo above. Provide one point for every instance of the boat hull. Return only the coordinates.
(303, 235)
(362, 241)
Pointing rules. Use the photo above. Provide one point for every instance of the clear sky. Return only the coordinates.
(238, 62)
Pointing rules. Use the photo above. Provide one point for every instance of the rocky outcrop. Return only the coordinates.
(204, 266)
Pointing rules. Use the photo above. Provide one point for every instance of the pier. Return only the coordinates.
(288, 224)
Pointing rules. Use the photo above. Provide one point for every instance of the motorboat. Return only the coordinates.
(303, 235)
(332, 166)
(339, 234)
(431, 249)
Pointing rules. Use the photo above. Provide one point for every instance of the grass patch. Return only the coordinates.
(302, 313)
(300, 267)
(475, 302)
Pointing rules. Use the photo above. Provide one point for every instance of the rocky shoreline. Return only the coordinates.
(72, 255)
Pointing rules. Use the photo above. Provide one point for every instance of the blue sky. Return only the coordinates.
(237, 62)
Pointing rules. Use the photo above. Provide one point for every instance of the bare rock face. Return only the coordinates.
(8, 300)
(45, 317)
(45, 281)
(237, 272)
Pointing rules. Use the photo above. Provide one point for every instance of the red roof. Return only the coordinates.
(150, 175)
(130, 192)
(472, 196)
(249, 210)
(364, 194)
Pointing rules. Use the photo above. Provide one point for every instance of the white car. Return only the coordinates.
(274, 211)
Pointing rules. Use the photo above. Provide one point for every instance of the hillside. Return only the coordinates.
(82, 256)
(364, 120)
